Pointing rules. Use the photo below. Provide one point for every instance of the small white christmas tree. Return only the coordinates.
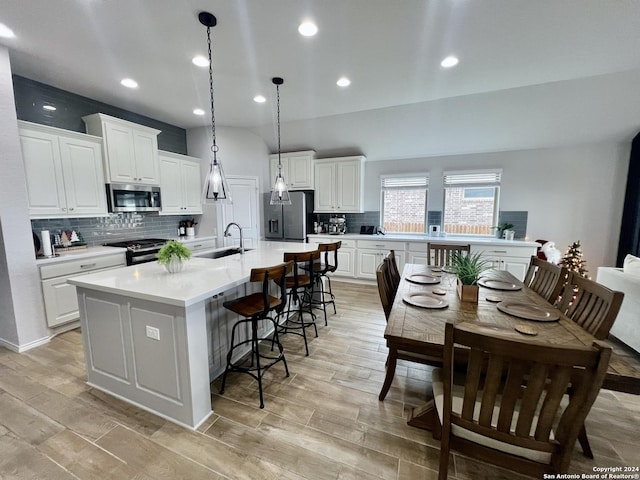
(74, 236)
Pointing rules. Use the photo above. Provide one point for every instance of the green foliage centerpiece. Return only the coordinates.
(468, 268)
(173, 256)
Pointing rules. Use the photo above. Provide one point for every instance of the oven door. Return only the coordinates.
(133, 198)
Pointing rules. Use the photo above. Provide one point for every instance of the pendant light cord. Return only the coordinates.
(214, 146)
(278, 102)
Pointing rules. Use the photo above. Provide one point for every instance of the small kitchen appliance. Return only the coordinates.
(337, 225)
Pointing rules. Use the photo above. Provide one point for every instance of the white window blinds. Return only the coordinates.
(404, 183)
(480, 178)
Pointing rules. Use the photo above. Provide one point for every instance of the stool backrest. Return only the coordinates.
(330, 264)
(275, 274)
(304, 259)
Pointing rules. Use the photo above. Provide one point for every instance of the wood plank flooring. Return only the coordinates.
(322, 422)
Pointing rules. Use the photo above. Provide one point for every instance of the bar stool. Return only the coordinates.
(329, 264)
(299, 291)
(254, 307)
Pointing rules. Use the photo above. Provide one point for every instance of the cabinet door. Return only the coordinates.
(83, 177)
(346, 263)
(120, 153)
(300, 171)
(348, 186)
(191, 187)
(43, 172)
(145, 147)
(325, 184)
(60, 301)
(170, 185)
(516, 267)
(368, 261)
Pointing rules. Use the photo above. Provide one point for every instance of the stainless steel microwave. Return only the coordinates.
(133, 198)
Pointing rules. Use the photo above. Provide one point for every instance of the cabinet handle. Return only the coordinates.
(379, 245)
(64, 209)
(71, 209)
(88, 265)
(197, 246)
(499, 251)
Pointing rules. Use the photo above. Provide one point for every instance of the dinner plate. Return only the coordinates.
(424, 300)
(529, 311)
(423, 279)
(498, 284)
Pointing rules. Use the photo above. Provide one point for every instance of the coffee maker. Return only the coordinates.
(337, 225)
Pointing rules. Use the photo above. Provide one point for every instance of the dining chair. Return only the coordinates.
(394, 273)
(545, 278)
(387, 292)
(439, 254)
(520, 404)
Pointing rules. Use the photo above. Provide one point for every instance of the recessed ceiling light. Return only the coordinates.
(449, 62)
(6, 32)
(129, 83)
(308, 29)
(51, 108)
(198, 111)
(343, 82)
(259, 99)
(200, 61)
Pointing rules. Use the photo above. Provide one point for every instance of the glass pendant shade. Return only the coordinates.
(280, 192)
(216, 188)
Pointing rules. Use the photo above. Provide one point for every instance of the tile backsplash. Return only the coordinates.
(115, 227)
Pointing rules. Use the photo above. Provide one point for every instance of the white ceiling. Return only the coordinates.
(532, 74)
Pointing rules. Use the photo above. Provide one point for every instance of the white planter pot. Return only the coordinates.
(175, 266)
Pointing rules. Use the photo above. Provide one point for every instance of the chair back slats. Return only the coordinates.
(592, 306)
(394, 273)
(439, 254)
(330, 261)
(516, 390)
(305, 260)
(544, 278)
(264, 275)
(385, 289)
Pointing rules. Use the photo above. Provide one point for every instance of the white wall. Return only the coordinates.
(241, 152)
(573, 193)
(22, 318)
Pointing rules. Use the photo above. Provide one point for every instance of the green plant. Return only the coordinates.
(173, 250)
(503, 226)
(468, 268)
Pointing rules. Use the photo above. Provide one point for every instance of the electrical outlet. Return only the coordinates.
(153, 332)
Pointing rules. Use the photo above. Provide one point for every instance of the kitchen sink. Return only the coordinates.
(224, 253)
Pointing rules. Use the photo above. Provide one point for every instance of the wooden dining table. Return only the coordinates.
(420, 329)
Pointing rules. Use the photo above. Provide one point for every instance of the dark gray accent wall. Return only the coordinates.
(518, 219)
(30, 96)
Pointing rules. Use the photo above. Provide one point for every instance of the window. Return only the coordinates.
(404, 203)
(471, 201)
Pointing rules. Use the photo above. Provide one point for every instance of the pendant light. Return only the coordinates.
(280, 192)
(216, 188)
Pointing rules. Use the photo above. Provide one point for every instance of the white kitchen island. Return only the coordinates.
(157, 340)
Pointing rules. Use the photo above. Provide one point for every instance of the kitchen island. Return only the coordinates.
(157, 340)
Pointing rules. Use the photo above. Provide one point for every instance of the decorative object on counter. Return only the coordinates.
(509, 234)
(216, 188)
(468, 268)
(36, 243)
(190, 227)
(500, 229)
(280, 192)
(173, 256)
(573, 261)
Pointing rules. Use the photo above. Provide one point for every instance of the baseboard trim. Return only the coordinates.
(23, 347)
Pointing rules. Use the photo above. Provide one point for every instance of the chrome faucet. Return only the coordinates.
(227, 234)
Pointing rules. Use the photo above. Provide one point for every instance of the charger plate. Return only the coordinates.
(424, 300)
(498, 284)
(529, 311)
(423, 279)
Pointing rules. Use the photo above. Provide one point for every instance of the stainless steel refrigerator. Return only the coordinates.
(289, 222)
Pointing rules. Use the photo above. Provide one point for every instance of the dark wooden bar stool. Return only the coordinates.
(255, 307)
(299, 291)
(328, 264)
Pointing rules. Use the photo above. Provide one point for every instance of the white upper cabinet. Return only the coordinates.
(339, 185)
(180, 184)
(297, 169)
(130, 150)
(64, 172)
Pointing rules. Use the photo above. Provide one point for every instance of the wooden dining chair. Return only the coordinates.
(544, 278)
(387, 292)
(521, 403)
(393, 272)
(439, 254)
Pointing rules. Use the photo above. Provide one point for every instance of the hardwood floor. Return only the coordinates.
(323, 422)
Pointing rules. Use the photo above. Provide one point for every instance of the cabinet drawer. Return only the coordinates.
(418, 247)
(380, 245)
(506, 251)
(82, 265)
(196, 245)
(345, 242)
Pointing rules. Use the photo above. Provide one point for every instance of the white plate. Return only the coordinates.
(424, 300)
(529, 311)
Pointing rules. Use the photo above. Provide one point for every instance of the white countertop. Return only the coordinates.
(427, 238)
(79, 254)
(201, 279)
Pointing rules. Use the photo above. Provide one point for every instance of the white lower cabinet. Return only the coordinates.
(60, 298)
(346, 254)
(417, 252)
(372, 253)
(199, 244)
(514, 260)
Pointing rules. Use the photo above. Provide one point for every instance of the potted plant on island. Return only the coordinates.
(500, 229)
(468, 269)
(173, 256)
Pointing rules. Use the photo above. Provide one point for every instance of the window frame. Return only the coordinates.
(484, 178)
(408, 181)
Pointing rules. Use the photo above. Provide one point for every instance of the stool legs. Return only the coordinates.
(299, 322)
(322, 302)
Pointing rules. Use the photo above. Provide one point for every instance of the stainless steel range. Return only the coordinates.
(140, 251)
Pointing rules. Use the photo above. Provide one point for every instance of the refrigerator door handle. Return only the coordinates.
(273, 225)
